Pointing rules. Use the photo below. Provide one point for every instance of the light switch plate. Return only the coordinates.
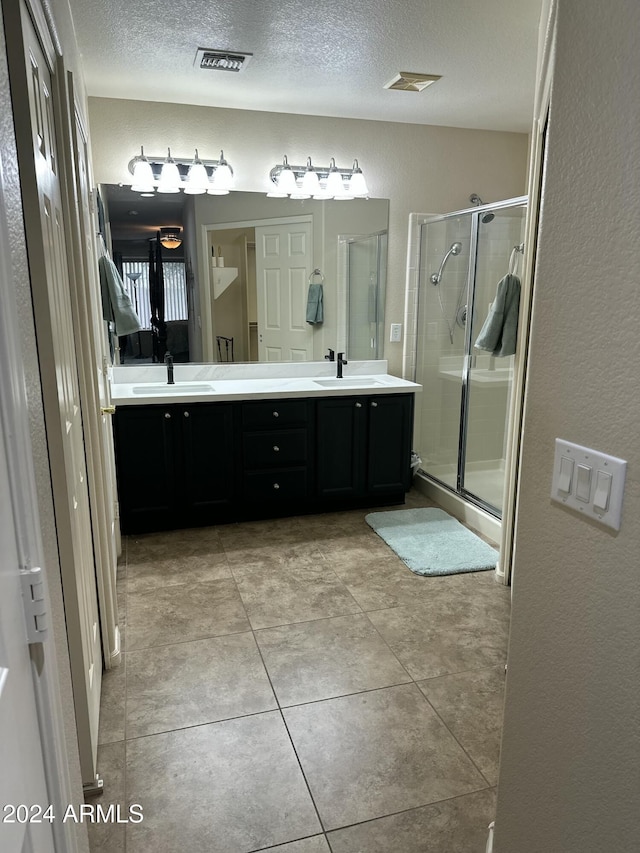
(597, 462)
(396, 333)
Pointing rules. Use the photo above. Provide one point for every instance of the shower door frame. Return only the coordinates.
(475, 213)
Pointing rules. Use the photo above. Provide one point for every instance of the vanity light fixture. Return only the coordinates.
(170, 175)
(170, 237)
(319, 182)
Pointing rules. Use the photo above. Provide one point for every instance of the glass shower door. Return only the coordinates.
(366, 285)
(489, 378)
(441, 343)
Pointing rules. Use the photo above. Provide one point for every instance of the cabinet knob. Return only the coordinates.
(276, 414)
(276, 448)
(167, 415)
(186, 414)
(358, 405)
(374, 405)
(276, 485)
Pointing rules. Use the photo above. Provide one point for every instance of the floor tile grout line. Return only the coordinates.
(284, 723)
(304, 775)
(444, 723)
(410, 809)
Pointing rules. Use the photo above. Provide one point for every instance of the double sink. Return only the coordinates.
(207, 388)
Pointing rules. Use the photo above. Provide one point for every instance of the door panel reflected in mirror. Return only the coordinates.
(239, 283)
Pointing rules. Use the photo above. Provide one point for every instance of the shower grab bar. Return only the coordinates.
(455, 249)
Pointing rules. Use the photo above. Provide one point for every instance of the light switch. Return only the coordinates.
(566, 474)
(583, 483)
(396, 333)
(589, 482)
(603, 491)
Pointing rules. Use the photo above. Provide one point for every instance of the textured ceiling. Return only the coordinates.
(329, 57)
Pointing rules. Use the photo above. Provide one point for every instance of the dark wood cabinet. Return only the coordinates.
(174, 465)
(276, 463)
(364, 446)
(206, 463)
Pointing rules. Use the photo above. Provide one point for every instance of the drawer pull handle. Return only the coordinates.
(374, 405)
(276, 485)
(186, 414)
(276, 448)
(358, 405)
(167, 415)
(276, 415)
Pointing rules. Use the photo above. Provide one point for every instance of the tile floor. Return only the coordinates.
(291, 686)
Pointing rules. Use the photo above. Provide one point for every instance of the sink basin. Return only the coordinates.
(158, 388)
(348, 382)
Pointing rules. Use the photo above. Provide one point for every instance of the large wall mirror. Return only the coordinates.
(237, 287)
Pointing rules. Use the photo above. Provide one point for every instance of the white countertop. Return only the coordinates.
(135, 386)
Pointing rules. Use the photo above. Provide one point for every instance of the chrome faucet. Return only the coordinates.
(340, 360)
(168, 360)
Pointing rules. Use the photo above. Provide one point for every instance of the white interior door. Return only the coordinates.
(284, 262)
(92, 349)
(46, 245)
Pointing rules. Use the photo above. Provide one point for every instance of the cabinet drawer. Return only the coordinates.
(268, 414)
(275, 448)
(279, 485)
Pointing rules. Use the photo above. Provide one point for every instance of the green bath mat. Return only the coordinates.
(431, 542)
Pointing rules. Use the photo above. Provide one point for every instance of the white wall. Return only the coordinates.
(570, 769)
(417, 167)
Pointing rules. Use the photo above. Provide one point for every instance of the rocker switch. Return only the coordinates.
(603, 491)
(566, 474)
(583, 483)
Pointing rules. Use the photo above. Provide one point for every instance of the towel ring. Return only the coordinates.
(315, 273)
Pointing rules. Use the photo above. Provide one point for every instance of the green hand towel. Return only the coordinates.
(499, 333)
(315, 310)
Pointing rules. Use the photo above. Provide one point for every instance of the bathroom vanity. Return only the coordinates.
(224, 445)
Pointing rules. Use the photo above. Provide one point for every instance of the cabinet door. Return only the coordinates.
(389, 454)
(205, 455)
(145, 463)
(341, 447)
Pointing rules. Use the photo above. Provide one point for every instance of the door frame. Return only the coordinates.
(205, 285)
(546, 60)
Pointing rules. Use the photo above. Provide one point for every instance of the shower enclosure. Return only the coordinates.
(462, 417)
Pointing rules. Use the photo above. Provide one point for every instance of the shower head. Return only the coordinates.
(475, 199)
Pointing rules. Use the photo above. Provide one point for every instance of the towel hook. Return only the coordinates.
(314, 274)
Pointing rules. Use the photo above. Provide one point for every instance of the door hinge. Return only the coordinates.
(35, 606)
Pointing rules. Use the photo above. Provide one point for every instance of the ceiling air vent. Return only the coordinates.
(409, 81)
(221, 60)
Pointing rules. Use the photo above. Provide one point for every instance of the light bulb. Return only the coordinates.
(310, 180)
(197, 178)
(335, 184)
(169, 176)
(357, 183)
(142, 181)
(222, 180)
